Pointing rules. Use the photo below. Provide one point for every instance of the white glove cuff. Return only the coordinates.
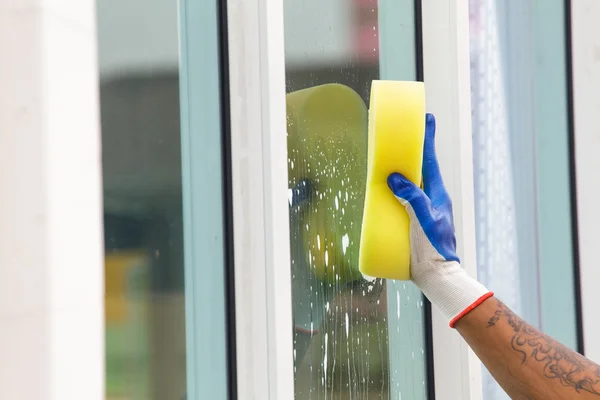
(450, 289)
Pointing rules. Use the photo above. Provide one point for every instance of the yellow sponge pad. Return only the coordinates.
(327, 147)
(395, 144)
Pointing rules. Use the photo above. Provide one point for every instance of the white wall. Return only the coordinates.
(51, 290)
(586, 77)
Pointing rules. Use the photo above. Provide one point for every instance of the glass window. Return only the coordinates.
(521, 163)
(354, 337)
(140, 115)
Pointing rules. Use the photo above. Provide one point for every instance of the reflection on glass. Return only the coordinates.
(343, 328)
(518, 86)
(498, 263)
(145, 318)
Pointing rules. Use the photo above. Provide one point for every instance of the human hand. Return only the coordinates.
(435, 266)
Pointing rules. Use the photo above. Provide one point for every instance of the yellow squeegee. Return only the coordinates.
(395, 144)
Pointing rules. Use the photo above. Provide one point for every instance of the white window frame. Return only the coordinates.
(263, 301)
(585, 41)
(259, 167)
(446, 68)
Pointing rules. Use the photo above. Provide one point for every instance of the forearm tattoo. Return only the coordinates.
(568, 367)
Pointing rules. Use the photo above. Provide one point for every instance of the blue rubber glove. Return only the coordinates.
(435, 267)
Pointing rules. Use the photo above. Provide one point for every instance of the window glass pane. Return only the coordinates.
(521, 163)
(355, 337)
(145, 313)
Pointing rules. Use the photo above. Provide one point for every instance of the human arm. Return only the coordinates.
(526, 363)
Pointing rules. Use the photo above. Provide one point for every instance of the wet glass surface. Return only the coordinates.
(355, 337)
